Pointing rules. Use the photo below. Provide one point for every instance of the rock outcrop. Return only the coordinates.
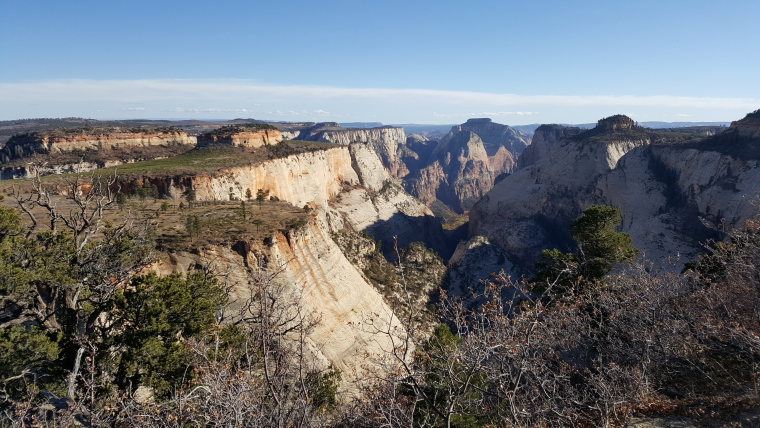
(314, 275)
(348, 185)
(348, 191)
(461, 171)
(250, 136)
(94, 139)
(85, 149)
(457, 170)
(463, 165)
(672, 191)
(495, 136)
(385, 141)
(474, 260)
(546, 139)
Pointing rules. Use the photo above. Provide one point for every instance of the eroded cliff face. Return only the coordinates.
(313, 274)
(21, 146)
(546, 139)
(347, 185)
(385, 141)
(670, 194)
(350, 196)
(68, 151)
(463, 165)
(313, 177)
(495, 136)
(459, 170)
(249, 139)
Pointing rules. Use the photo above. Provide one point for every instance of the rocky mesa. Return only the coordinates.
(244, 135)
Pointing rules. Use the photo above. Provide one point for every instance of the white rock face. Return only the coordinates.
(546, 139)
(350, 189)
(306, 178)
(385, 141)
(667, 195)
(531, 209)
(319, 278)
(250, 139)
(349, 185)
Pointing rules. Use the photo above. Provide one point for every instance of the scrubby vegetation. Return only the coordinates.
(406, 282)
(614, 347)
(89, 337)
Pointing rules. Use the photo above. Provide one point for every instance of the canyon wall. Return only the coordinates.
(672, 194)
(385, 141)
(244, 138)
(20, 146)
(348, 191)
(464, 165)
(356, 326)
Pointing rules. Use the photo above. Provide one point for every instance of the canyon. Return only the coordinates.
(453, 171)
(674, 191)
(355, 202)
(371, 196)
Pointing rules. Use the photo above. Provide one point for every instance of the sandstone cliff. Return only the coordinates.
(348, 185)
(314, 274)
(461, 172)
(671, 189)
(249, 136)
(95, 139)
(495, 136)
(385, 141)
(463, 165)
(85, 149)
(546, 139)
(349, 192)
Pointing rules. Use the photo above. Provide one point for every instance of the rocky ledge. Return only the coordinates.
(248, 135)
(90, 139)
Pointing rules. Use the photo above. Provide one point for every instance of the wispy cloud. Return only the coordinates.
(224, 96)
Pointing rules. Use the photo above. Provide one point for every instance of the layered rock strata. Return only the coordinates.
(356, 328)
(672, 194)
(24, 145)
(386, 141)
(463, 166)
(252, 137)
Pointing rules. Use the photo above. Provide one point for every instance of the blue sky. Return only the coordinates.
(388, 61)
